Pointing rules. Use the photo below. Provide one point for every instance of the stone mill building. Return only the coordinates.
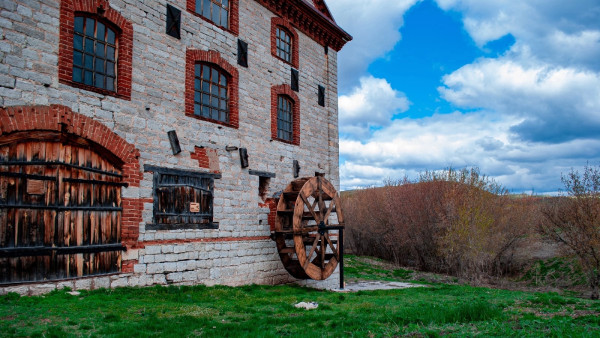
(145, 142)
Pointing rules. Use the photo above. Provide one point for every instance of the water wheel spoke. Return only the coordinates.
(306, 230)
(314, 206)
(310, 208)
(321, 203)
(331, 206)
(312, 251)
(323, 250)
(333, 249)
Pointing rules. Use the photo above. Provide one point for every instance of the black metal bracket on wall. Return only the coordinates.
(296, 168)
(174, 140)
(244, 157)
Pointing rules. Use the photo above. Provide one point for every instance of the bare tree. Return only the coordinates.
(574, 220)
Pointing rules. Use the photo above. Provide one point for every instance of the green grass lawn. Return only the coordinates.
(268, 311)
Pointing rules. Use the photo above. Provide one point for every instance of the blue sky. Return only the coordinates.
(510, 87)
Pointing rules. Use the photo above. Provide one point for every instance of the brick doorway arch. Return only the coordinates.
(61, 212)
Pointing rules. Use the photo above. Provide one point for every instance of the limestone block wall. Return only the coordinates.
(240, 250)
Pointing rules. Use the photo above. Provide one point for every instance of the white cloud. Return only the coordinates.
(375, 27)
(556, 32)
(533, 112)
(478, 139)
(374, 103)
(556, 104)
(551, 75)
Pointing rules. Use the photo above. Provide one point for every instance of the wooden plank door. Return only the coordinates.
(60, 212)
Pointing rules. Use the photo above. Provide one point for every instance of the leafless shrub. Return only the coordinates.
(457, 222)
(574, 220)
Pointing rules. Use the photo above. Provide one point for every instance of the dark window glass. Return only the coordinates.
(94, 46)
(79, 24)
(216, 11)
(284, 44)
(210, 93)
(284, 118)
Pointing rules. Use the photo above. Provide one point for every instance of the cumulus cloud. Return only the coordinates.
(524, 117)
(550, 77)
(375, 27)
(476, 139)
(372, 104)
(556, 104)
(436, 141)
(556, 32)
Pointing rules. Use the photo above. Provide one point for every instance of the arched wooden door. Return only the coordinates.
(60, 211)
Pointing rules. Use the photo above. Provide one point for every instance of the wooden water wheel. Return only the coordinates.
(308, 210)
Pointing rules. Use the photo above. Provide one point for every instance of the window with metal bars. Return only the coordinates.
(94, 53)
(284, 118)
(182, 199)
(284, 44)
(216, 11)
(210, 92)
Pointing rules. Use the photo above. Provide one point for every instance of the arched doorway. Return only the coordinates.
(60, 208)
(61, 213)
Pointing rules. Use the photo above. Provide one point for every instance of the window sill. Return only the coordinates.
(182, 226)
(294, 143)
(214, 24)
(284, 61)
(94, 89)
(201, 118)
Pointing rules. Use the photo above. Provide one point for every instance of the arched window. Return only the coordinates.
(284, 44)
(284, 41)
(285, 114)
(284, 118)
(216, 11)
(211, 88)
(210, 92)
(94, 53)
(222, 13)
(95, 48)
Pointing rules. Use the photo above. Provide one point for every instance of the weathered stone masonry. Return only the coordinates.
(154, 95)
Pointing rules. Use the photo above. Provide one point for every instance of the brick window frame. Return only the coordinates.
(234, 19)
(194, 56)
(285, 90)
(99, 10)
(277, 22)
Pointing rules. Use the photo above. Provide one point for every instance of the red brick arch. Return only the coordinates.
(61, 119)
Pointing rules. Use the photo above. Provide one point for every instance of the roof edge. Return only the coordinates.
(310, 21)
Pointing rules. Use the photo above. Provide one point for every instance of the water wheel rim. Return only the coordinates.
(320, 212)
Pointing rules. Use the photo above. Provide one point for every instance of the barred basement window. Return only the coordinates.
(182, 199)
(216, 11)
(94, 53)
(210, 92)
(284, 118)
(284, 44)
